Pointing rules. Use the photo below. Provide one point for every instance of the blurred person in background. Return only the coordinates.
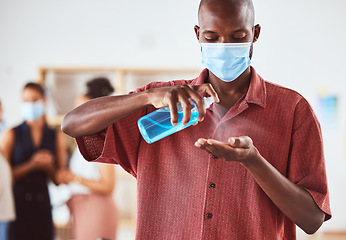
(7, 213)
(35, 152)
(91, 185)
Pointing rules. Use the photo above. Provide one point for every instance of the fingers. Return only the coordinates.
(198, 100)
(44, 153)
(208, 144)
(43, 158)
(64, 176)
(213, 147)
(173, 101)
(192, 92)
(216, 148)
(186, 105)
(183, 93)
(200, 142)
(240, 142)
(207, 88)
(236, 149)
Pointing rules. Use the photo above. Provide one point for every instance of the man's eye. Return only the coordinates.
(211, 39)
(239, 36)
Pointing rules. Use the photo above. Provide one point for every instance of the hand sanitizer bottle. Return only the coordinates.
(157, 125)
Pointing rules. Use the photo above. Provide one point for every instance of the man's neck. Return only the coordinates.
(230, 92)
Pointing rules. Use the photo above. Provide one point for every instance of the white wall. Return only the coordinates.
(302, 46)
(87, 33)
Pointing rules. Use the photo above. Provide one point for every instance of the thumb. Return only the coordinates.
(240, 142)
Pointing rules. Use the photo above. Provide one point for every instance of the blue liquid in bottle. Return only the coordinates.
(157, 125)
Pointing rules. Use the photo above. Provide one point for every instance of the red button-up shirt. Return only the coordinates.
(184, 193)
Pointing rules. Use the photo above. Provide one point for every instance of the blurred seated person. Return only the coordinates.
(35, 151)
(92, 206)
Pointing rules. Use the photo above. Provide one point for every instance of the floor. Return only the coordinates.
(323, 236)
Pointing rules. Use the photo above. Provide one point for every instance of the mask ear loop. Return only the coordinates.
(253, 33)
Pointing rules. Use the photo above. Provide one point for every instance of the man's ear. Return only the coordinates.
(197, 31)
(257, 32)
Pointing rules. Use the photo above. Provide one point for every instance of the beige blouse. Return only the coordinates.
(7, 212)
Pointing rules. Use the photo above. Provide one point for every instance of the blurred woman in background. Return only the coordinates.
(91, 185)
(35, 152)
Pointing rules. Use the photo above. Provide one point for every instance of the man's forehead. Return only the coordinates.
(224, 9)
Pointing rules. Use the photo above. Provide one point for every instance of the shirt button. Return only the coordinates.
(39, 197)
(209, 215)
(212, 185)
(28, 197)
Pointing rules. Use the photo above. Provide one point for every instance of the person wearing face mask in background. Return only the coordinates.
(35, 152)
(91, 185)
(7, 213)
(252, 168)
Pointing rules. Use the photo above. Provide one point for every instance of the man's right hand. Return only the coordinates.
(170, 96)
(97, 114)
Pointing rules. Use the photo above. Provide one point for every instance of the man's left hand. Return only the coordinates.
(240, 149)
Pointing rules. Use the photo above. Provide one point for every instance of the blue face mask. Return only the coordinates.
(31, 111)
(227, 61)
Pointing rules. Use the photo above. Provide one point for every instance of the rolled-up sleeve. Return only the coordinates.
(118, 144)
(306, 162)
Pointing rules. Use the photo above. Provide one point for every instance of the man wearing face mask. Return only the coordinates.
(34, 152)
(245, 171)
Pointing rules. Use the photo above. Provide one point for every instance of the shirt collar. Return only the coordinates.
(257, 92)
(257, 89)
